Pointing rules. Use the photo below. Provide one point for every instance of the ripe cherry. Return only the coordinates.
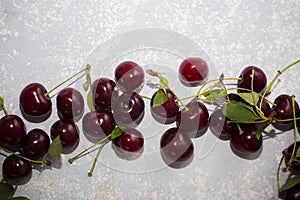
(104, 93)
(70, 104)
(220, 126)
(34, 104)
(68, 132)
(292, 193)
(129, 76)
(259, 80)
(16, 170)
(12, 132)
(246, 144)
(193, 71)
(97, 124)
(129, 110)
(193, 121)
(167, 112)
(176, 147)
(131, 140)
(283, 110)
(288, 153)
(36, 144)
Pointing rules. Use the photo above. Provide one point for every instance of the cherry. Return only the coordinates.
(12, 132)
(34, 104)
(104, 93)
(259, 80)
(68, 132)
(167, 112)
(283, 110)
(70, 104)
(16, 170)
(288, 153)
(176, 147)
(220, 126)
(97, 124)
(292, 193)
(131, 140)
(36, 144)
(246, 144)
(193, 71)
(265, 108)
(129, 110)
(129, 76)
(193, 121)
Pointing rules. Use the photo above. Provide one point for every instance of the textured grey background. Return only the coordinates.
(46, 41)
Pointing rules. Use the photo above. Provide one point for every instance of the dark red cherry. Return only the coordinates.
(36, 144)
(12, 132)
(220, 126)
(193, 121)
(97, 124)
(16, 170)
(265, 107)
(130, 141)
(104, 93)
(70, 104)
(34, 105)
(259, 81)
(129, 110)
(283, 110)
(176, 146)
(68, 132)
(167, 112)
(246, 143)
(129, 76)
(292, 193)
(294, 164)
(193, 71)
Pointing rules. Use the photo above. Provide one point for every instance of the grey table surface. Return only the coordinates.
(47, 41)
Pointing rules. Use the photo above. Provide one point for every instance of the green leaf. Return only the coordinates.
(89, 100)
(291, 182)
(260, 130)
(298, 153)
(239, 112)
(86, 86)
(19, 198)
(116, 133)
(55, 147)
(214, 94)
(250, 98)
(6, 190)
(163, 82)
(159, 98)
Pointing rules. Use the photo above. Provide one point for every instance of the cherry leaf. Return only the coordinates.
(239, 112)
(260, 130)
(6, 190)
(214, 94)
(116, 133)
(250, 98)
(298, 153)
(19, 198)
(159, 98)
(55, 147)
(89, 101)
(291, 182)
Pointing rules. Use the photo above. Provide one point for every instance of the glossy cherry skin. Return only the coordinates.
(98, 124)
(129, 110)
(129, 76)
(292, 193)
(68, 132)
(70, 104)
(294, 165)
(176, 146)
(167, 112)
(130, 141)
(104, 93)
(193, 71)
(34, 105)
(284, 110)
(259, 81)
(36, 144)
(220, 126)
(195, 120)
(16, 170)
(247, 142)
(12, 132)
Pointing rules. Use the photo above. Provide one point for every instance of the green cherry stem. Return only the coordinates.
(278, 172)
(86, 69)
(90, 173)
(295, 126)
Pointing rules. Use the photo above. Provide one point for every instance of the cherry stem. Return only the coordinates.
(295, 126)
(146, 97)
(71, 160)
(90, 173)
(4, 109)
(86, 69)
(278, 172)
